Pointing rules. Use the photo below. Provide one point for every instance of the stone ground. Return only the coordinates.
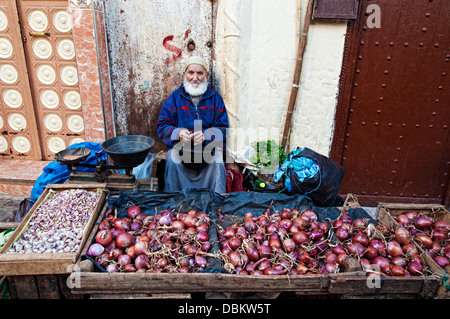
(9, 204)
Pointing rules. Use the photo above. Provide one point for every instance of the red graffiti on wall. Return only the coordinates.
(177, 51)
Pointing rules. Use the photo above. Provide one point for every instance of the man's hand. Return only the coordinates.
(198, 137)
(185, 135)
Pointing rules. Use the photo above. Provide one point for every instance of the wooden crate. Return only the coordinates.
(386, 213)
(353, 282)
(46, 263)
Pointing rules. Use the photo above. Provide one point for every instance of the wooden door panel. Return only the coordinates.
(396, 141)
(18, 138)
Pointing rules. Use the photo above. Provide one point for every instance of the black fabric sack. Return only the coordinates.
(323, 187)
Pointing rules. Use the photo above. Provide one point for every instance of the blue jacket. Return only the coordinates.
(180, 112)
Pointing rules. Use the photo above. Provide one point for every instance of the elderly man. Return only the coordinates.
(194, 118)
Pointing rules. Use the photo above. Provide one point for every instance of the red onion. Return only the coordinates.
(411, 215)
(342, 258)
(285, 223)
(104, 237)
(360, 222)
(393, 248)
(303, 256)
(133, 211)
(264, 250)
(202, 236)
(234, 243)
(378, 245)
(370, 253)
(289, 245)
(381, 262)
(316, 235)
(436, 247)
(397, 270)
(415, 268)
(250, 225)
(124, 240)
(438, 236)
(310, 215)
(123, 260)
(300, 223)
(442, 226)
(286, 213)
(136, 225)
(345, 218)
(274, 271)
(403, 219)
(122, 224)
(165, 220)
(104, 225)
(330, 258)
(300, 237)
(361, 238)
(252, 252)
(235, 258)
(129, 268)
(446, 252)
(423, 222)
(141, 261)
(399, 261)
(274, 243)
(332, 267)
(338, 249)
(365, 264)
(200, 261)
(341, 234)
(141, 247)
(424, 240)
(324, 227)
(95, 250)
(402, 235)
(112, 268)
(410, 249)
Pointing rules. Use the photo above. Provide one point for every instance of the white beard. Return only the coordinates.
(195, 91)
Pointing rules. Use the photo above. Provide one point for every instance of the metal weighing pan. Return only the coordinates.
(128, 150)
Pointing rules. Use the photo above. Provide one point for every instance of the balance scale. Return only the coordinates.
(126, 152)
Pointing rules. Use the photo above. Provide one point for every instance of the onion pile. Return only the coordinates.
(391, 251)
(286, 242)
(165, 242)
(430, 234)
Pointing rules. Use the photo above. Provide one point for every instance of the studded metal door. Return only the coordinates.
(395, 144)
(18, 137)
(50, 54)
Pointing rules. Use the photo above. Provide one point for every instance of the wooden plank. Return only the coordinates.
(48, 287)
(363, 285)
(143, 296)
(47, 263)
(23, 287)
(104, 283)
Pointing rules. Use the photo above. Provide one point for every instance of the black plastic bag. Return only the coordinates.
(323, 187)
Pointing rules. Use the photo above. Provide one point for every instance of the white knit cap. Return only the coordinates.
(196, 60)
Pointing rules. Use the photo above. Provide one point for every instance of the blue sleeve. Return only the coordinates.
(167, 122)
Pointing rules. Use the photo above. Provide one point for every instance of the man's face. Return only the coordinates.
(195, 74)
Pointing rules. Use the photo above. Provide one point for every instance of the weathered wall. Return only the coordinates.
(147, 44)
(256, 75)
(254, 52)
